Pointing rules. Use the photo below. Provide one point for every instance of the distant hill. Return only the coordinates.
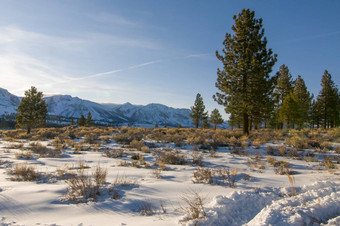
(62, 108)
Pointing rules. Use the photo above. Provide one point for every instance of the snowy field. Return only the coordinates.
(92, 176)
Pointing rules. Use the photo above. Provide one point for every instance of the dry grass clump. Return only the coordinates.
(114, 153)
(156, 173)
(24, 155)
(91, 138)
(15, 146)
(137, 144)
(297, 141)
(171, 156)
(43, 151)
(83, 188)
(145, 208)
(222, 176)
(204, 175)
(281, 167)
(197, 158)
(24, 172)
(38, 148)
(328, 163)
(124, 181)
(333, 135)
(194, 206)
(255, 162)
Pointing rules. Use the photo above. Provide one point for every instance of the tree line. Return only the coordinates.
(255, 99)
(249, 94)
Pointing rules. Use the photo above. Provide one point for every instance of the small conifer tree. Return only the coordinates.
(216, 118)
(32, 110)
(198, 111)
(81, 121)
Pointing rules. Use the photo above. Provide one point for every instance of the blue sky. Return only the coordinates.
(152, 51)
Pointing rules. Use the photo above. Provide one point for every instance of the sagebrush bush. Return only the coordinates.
(114, 153)
(298, 142)
(194, 205)
(24, 172)
(169, 156)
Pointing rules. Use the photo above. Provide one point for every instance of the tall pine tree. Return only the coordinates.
(283, 86)
(244, 81)
(295, 109)
(198, 113)
(329, 101)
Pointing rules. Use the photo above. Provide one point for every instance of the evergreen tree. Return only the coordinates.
(295, 108)
(216, 118)
(72, 122)
(156, 126)
(328, 101)
(197, 111)
(288, 111)
(303, 100)
(283, 86)
(32, 110)
(88, 121)
(205, 124)
(82, 121)
(244, 82)
(315, 114)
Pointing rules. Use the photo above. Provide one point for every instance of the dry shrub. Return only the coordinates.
(271, 150)
(328, 163)
(145, 208)
(170, 156)
(233, 141)
(145, 149)
(326, 146)
(203, 175)
(114, 153)
(297, 141)
(38, 148)
(271, 160)
(282, 150)
(47, 133)
(282, 168)
(256, 162)
(24, 155)
(227, 176)
(337, 150)
(137, 144)
(15, 146)
(197, 158)
(99, 175)
(91, 138)
(124, 181)
(24, 172)
(194, 205)
(81, 188)
(156, 173)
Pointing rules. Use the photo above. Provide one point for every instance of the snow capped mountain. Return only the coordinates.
(154, 113)
(73, 107)
(8, 102)
(69, 107)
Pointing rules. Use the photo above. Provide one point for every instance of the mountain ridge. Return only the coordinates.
(68, 107)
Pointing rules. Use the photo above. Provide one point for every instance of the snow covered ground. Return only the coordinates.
(260, 196)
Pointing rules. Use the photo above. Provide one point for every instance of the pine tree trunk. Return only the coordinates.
(245, 123)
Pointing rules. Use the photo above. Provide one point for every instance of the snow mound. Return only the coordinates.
(315, 204)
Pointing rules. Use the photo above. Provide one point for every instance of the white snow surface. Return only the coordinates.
(263, 200)
(314, 204)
